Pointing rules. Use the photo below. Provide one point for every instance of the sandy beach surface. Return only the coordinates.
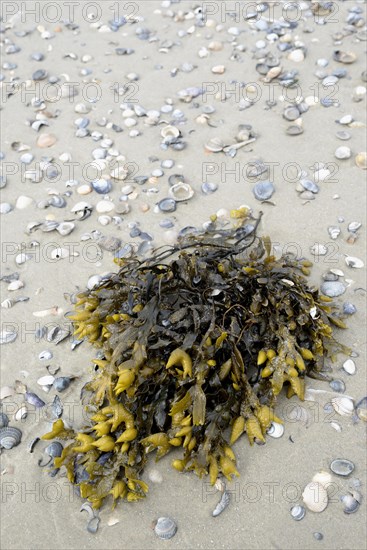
(173, 46)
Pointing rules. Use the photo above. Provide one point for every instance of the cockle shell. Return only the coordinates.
(343, 405)
(170, 132)
(315, 497)
(10, 437)
(165, 528)
(323, 477)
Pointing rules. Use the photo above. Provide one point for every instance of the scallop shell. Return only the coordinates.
(181, 192)
(275, 430)
(343, 405)
(165, 528)
(351, 261)
(298, 512)
(315, 497)
(10, 437)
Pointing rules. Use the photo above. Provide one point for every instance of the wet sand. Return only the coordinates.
(42, 512)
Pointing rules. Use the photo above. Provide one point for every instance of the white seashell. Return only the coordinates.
(356, 263)
(15, 285)
(321, 175)
(93, 281)
(215, 145)
(23, 202)
(318, 249)
(296, 55)
(119, 173)
(7, 336)
(349, 366)
(343, 153)
(21, 413)
(323, 477)
(84, 189)
(105, 206)
(104, 220)
(47, 380)
(170, 131)
(130, 122)
(334, 231)
(6, 391)
(336, 426)
(337, 272)
(315, 497)
(5, 208)
(275, 430)
(80, 206)
(7, 303)
(343, 405)
(65, 228)
(61, 253)
(181, 191)
(218, 69)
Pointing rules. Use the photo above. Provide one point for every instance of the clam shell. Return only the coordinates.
(215, 145)
(349, 366)
(342, 467)
(351, 503)
(298, 512)
(10, 437)
(165, 528)
(315, 497)
(181, 192)
(332, 288)
(170, 132)
(323, 477)
(343, 405)
(354, 262)
(275, 430)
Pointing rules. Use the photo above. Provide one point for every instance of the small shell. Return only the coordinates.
(361, 408)
(342, 467)
(275, 430)
(65, 228)
(54, 449)
(263, 190)
(165, 528)
(21, 413)
(349, 308)
(351, 261)
(315, 497)
(62, 383)
(6, 391)
(361, 160)
(222, 504)
(351, 503)
(169, 132)
(4, 420)
(15, 285)
(167, 205)
(92, 526)
(298, 512)
(343, 405)
(332, 288)
(349, 366)
(45, 355)
(47, 380)
(334, 231)
(344, 57)
(337, 385)
(10, 437)
(336, 426)
(318, 249)
(215, 145)
(7, 336)
(181, 192)
(323, 477)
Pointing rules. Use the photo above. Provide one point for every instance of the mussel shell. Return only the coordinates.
(61, 383)
(165, 528)
(33, 399)
(54, 449)
(4, 420)
(342, 467)
(10, 437)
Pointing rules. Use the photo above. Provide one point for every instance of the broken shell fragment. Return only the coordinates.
(356, 263)
(344, 57)
(181, 192)
(349, 366)
(21, 413)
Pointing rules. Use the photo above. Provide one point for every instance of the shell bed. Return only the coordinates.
(194, 345)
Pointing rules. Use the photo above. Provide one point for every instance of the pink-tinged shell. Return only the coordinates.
(315, 497)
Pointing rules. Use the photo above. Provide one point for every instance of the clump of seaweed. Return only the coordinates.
(197, 339)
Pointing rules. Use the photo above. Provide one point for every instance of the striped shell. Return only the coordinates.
(165, 528)
(315, 497)
(10, 437)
